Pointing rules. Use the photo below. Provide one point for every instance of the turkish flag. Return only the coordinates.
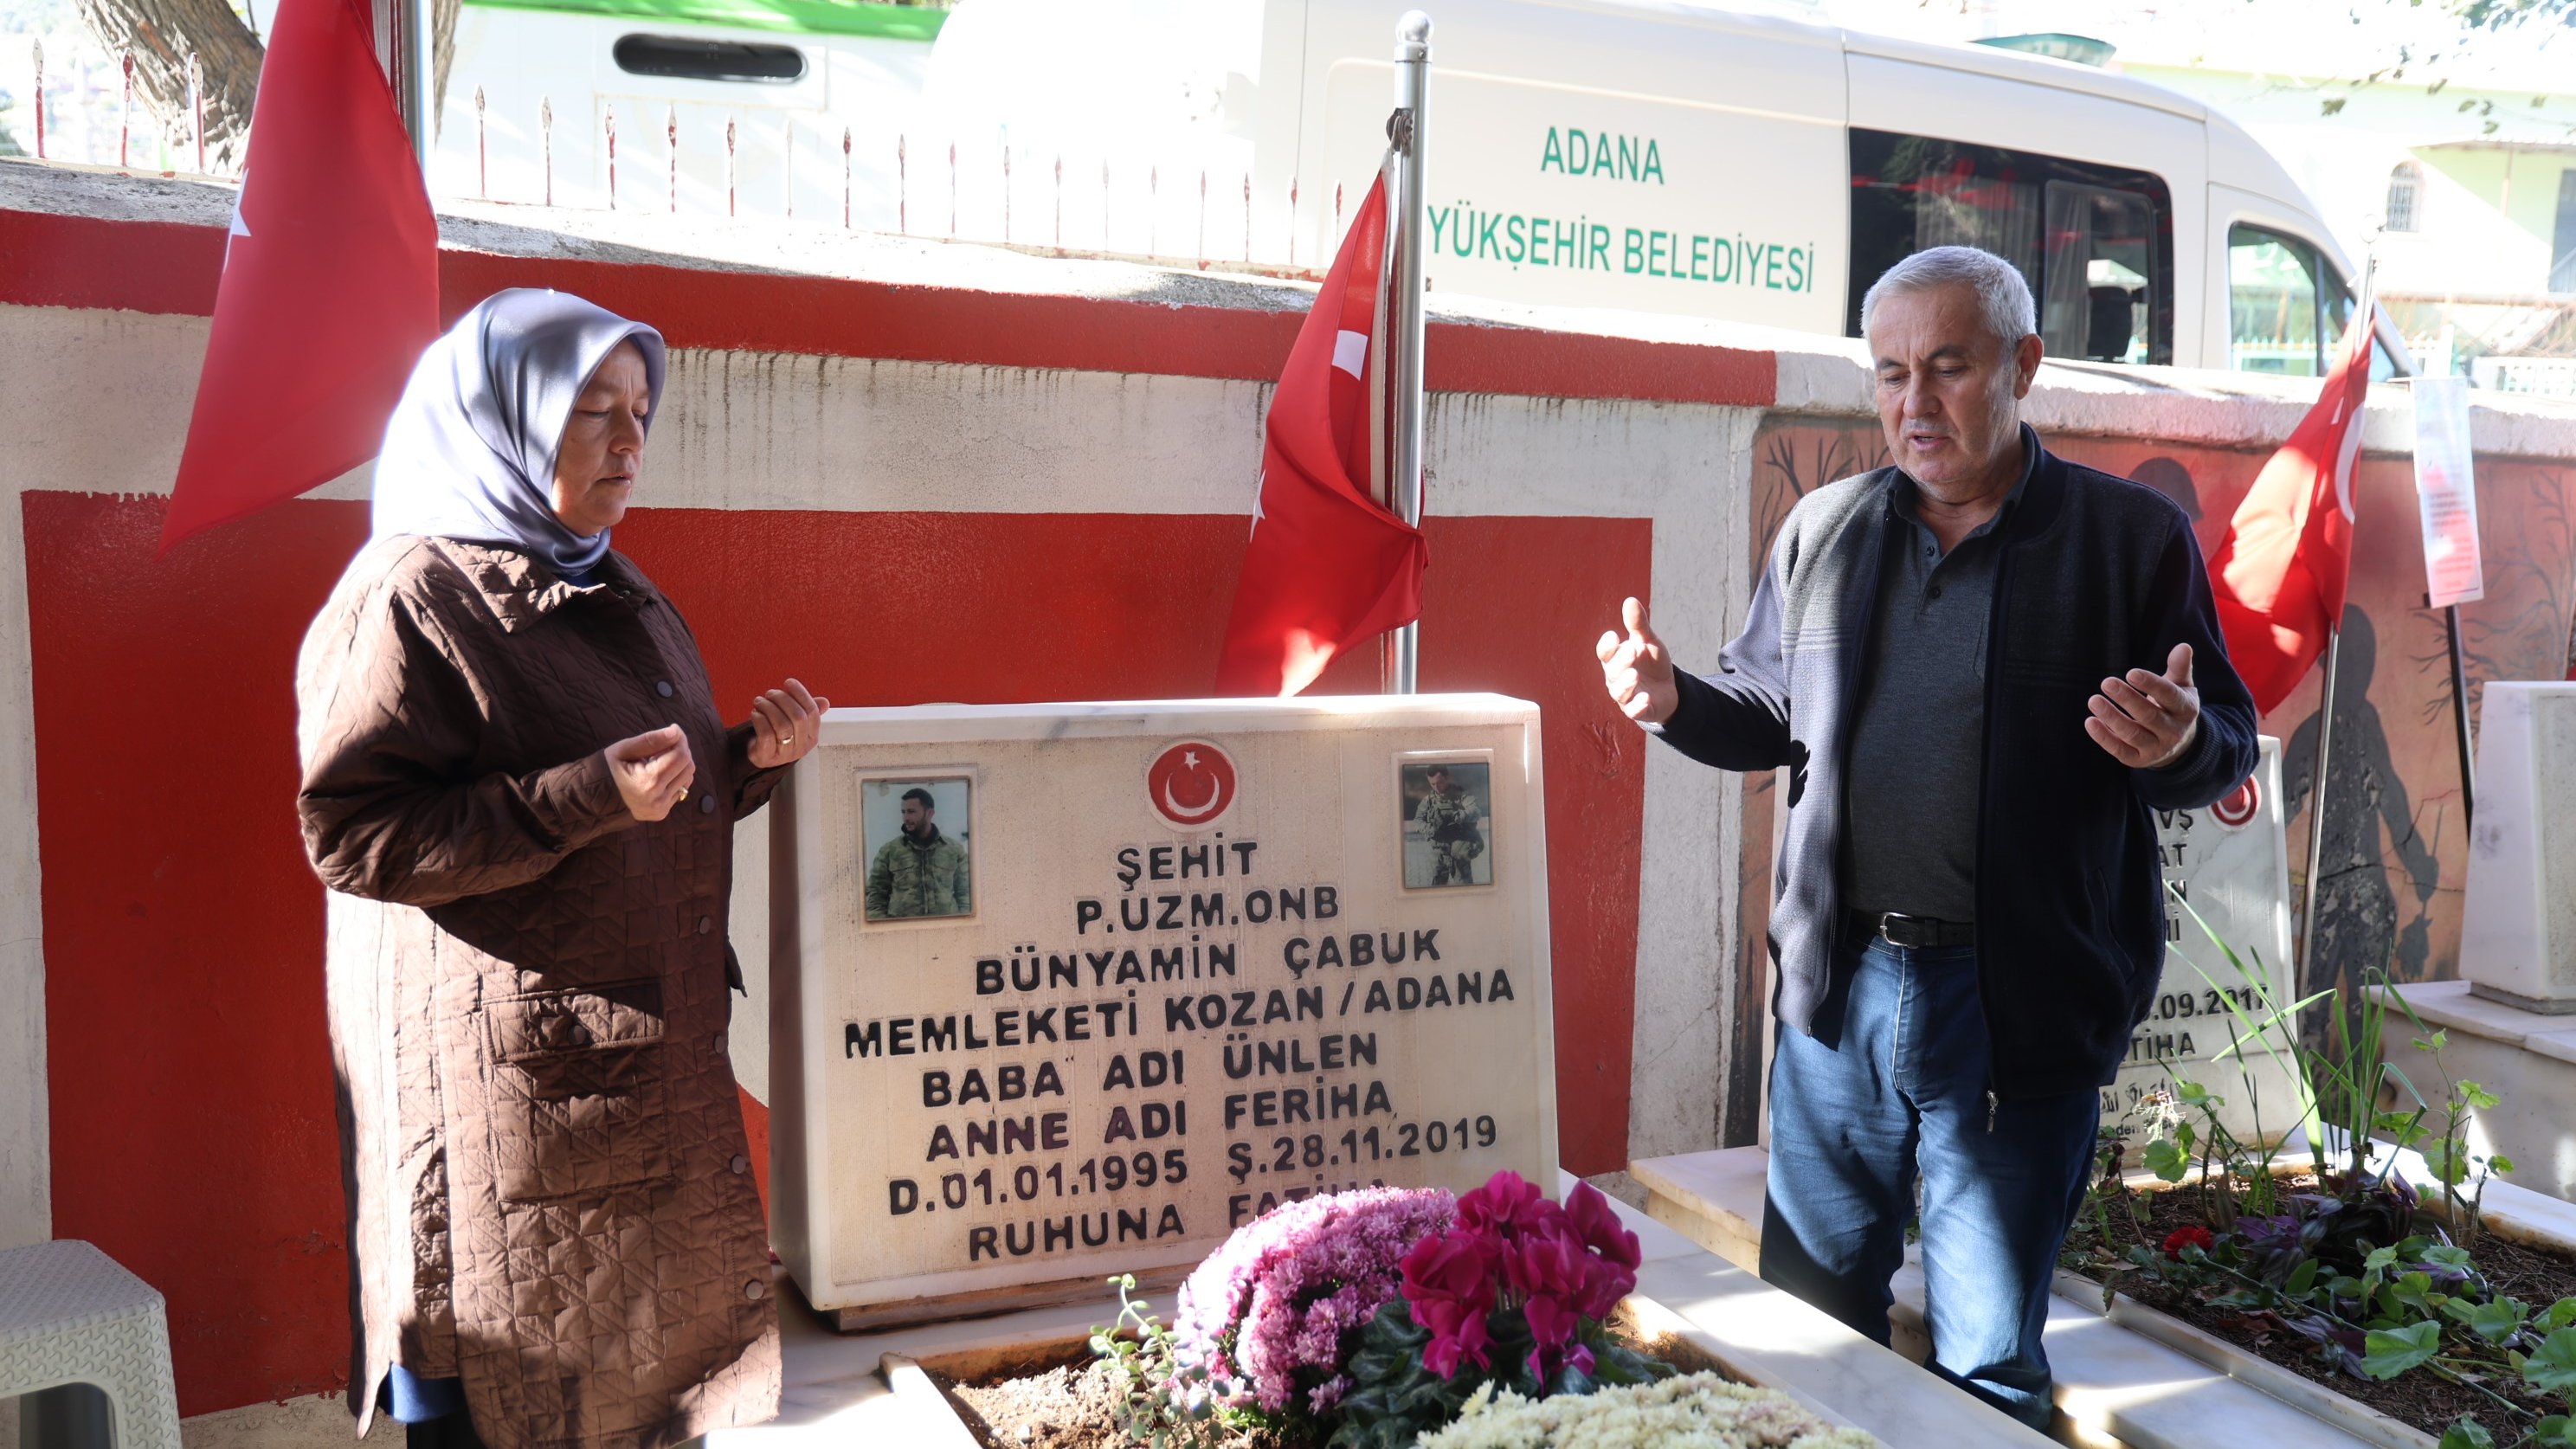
(2280, 571)
(330, 284)
(1329, 564)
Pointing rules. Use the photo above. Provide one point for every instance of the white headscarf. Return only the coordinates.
(470, 451)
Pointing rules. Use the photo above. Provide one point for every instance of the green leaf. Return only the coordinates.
(2553, 1369)
(2449, 1255)
(2497, 1321)
(2447, 1160)
(2302, 1278)
(2560, 1315)
(2500, 1164)
(2467, 1434)
(2404, 1128)
(2413, 1290)
(2167, 1159)
(2390, 1352)
(2477, 1096)
(2557, 1431)
(2440, 1038)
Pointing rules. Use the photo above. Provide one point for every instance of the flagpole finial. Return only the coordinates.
(1413, 36)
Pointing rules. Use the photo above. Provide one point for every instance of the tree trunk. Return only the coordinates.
(161, 35)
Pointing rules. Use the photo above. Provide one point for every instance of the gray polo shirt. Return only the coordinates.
(1910, 836)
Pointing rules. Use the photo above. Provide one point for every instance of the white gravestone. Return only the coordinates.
(1063, 991)
(2518, 926)
(2231, 862)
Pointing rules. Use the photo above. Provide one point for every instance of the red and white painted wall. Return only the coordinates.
(908, 473)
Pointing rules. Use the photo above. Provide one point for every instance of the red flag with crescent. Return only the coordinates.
(1330, 565)
(330, 282)
(2280, 571)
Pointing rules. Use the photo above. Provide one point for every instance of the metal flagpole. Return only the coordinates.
(1413, 92)
(2334, 655)
(2460, 714)
(418, 51)
(2317, 813)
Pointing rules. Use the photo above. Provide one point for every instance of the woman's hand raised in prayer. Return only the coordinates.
(785, 726)
(653, 771)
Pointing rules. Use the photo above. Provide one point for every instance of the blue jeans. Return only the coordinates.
(1894, 1084)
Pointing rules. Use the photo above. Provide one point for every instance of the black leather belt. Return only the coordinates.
(1911, 932)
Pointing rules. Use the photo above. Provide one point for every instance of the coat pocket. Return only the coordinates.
(578, 1098)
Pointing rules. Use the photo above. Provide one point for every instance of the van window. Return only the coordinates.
(2101, 252)
(2287, 307)
(2272, 318)
(2094, 242)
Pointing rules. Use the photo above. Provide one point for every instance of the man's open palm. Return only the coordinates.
(2145, 719)
(1636, 670)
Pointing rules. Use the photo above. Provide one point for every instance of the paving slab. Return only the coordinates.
(2113, 1386)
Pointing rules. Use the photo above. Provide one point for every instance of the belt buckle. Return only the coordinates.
(1898, 929)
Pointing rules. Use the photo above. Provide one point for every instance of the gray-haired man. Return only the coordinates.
(1983, 668)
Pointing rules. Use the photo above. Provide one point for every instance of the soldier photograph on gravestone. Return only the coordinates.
(919, 867)
(1446, 824)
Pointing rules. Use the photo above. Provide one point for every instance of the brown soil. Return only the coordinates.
(1069, 1401)
(2517, 1270)
(1066, 1399)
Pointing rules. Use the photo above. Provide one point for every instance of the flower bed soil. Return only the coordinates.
(2534, 1275)
(1063, 1398)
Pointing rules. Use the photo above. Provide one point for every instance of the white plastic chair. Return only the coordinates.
(69, 1314)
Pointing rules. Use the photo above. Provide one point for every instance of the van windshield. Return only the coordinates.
(2095, 242)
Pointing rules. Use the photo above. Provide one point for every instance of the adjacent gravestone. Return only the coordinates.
(1063, 991)
(2518, 927)
(2230, 862)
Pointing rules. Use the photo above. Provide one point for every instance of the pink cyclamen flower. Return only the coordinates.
(1552, 1322)
(1456, 1265)
(1449, 1284)
(1547, 1259)
(1458, 1332)
(1506, 1204)
(1604, 1284)
(1590, 1215)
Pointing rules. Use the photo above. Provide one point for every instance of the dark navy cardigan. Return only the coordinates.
(2098, 576)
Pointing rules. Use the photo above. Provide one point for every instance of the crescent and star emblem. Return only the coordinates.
(1210, 778)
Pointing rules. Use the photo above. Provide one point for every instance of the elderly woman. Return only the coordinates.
(522, 798)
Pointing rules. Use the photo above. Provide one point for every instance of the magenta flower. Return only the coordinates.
(1458, 1332)
(1449, 1284)
(1547, 1261)
(1513, 1250)
(1589, 1214)
(1505, 1204)
(1268, 1313)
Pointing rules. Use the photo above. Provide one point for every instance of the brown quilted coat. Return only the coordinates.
(541, 1140)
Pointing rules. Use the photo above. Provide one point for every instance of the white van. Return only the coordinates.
(1652, 155)
(1665, 156)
